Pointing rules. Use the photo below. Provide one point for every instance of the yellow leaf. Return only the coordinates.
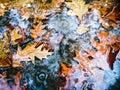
(78, 7)
(38, 53)
(45, 4)
(2, 9)
(14, 36)
(20, 3)
(5, 52)
(28, 49)
(30, 52)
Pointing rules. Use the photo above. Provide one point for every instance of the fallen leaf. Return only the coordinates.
(20, 3)
(65, 70)
(83, 60)
(103, 33)
(77, 7)
(111, 57)
(40, 54)
(25, 13)
(14, 36)
(2, 9)
(5, 52)
(37, 31)
(45, 4)
(27, 50)
(31, 52)
(114, 14)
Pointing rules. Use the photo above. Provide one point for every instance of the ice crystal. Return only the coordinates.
(63, 23)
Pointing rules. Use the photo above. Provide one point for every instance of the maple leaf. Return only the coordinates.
(78, 7)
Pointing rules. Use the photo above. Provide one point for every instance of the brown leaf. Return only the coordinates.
(65, 70)
(114, 14)
(37, 31)
(111, 57)
(83, 60)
